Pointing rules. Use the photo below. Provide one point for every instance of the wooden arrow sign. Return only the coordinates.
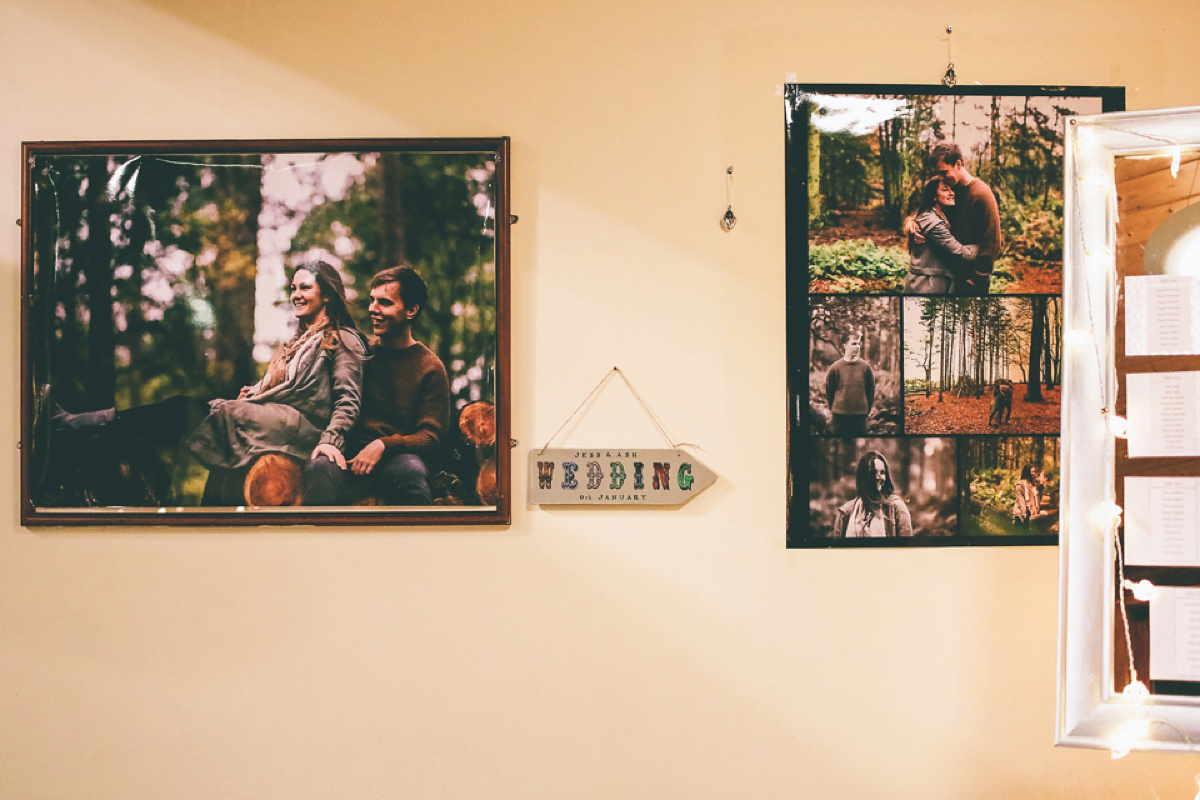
(616, 476)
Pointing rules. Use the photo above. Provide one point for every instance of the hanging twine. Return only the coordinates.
(662, 429)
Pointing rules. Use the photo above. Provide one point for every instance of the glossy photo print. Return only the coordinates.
(893, 490)
(1011, 485)
(982, 364)
(989, 216)
(924, 310)
(279, 332)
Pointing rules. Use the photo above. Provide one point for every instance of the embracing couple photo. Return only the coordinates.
(953, 229)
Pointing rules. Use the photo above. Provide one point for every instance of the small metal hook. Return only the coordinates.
(949, 79)
(728, 220)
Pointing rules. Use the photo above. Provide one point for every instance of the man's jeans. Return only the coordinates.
(397, 480)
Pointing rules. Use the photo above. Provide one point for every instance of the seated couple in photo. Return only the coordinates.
(364, 418)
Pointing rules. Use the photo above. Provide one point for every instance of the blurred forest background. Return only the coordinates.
(923, 470)
(992, 468)
(877, 320)
(866, 157)
(956, 348)
(158, 275)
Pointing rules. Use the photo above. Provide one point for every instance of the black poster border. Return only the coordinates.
(800, 440)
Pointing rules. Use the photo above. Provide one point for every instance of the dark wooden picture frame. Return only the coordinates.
(160, 269)
(855, 167)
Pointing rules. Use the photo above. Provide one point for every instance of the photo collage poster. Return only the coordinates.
(925, 317)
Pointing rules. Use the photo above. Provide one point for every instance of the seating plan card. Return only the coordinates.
(1162, 522)
(1162, 412)
(1162, 315)
(1175, 634)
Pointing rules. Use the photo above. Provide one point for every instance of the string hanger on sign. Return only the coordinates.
(949, 79)
(658, 424)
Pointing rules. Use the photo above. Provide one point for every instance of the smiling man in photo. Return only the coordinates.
(977, 219)
(405, 407)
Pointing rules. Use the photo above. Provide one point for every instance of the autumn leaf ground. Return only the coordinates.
(970, 415)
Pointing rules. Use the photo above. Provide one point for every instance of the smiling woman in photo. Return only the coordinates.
(876, 510)
(302, 407)
(310, 395)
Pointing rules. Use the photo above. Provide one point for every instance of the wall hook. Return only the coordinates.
(728, 220)
(949, 79)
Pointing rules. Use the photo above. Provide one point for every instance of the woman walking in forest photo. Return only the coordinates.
(302, 407)
(936, 258)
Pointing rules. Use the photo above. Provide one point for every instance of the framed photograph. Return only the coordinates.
(924, 310)
(283, 332)
(1129, 596)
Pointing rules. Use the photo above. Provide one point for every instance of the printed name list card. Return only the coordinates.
(1175, 634)
(1162, 412)
(1162, 522)
(1162, 315)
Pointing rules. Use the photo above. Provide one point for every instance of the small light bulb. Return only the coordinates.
(1143, 590)
(1096, 177)
(1100, 262)
(1127, 736)
(1136, 693)
(1119, 426)
(1107, 515)
(1078, 338)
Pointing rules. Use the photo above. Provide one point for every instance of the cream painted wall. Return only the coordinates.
(580, 654)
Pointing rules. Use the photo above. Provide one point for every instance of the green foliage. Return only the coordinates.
(424, 210)
(1002, 275)
(853, 260)
(848, 168)
(880, 167)
(994, 488)
(1033, 234)
(821, 221)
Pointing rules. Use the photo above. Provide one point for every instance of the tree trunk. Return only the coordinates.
(814, 162)
(101, 382)
(395, 220)
(1033, 388)
(231, 277)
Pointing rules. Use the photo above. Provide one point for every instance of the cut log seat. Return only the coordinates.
(275, 480)
(485, 482)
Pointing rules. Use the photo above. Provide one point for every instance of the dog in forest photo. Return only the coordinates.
(1002, 394)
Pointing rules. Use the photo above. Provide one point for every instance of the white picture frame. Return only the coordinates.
(1098, 702)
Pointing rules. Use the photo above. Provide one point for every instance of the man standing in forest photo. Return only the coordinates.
(850, 389)
(977, 218)
(405, 407)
